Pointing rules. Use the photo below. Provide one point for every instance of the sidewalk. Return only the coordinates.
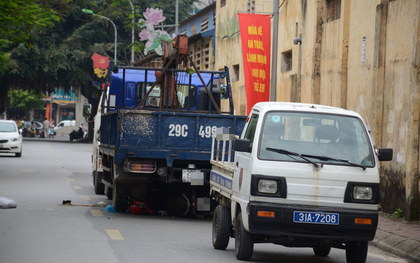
(55, 139)
(398, 237)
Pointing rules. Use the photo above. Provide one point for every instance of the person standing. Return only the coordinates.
(46, 124)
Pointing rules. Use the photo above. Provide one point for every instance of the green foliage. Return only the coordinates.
(60, 55)
(20, 20)
(25, 100)
(397, 214)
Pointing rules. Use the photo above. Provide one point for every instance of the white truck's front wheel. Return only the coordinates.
(356, 252)
(322, 251)
(221, 227)
(244, 241)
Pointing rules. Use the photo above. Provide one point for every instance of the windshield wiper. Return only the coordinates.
(302, 156)
(327, 158)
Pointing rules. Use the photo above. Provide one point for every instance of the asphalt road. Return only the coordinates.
(41, 229)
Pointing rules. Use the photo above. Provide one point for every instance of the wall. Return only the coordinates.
(229, 50)
(367, 60)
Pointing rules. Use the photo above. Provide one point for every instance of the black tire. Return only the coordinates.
(18, 154)
(98, 185)
(221, 227)
(119, 202)
(356, 252)
(244, 241)
(322, 251)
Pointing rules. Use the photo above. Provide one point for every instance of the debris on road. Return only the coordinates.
(7, 202)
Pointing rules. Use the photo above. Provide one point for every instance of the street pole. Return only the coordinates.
(51, 109)
(273, 81)
(87, 11)
(132, 33)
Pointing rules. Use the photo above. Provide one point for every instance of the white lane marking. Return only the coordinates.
(96, 212)
(114, 234)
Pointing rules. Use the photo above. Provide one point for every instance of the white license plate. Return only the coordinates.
(315, 218)
(195, 177)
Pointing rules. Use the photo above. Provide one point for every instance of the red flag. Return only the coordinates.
(100, 61)
(256, 46)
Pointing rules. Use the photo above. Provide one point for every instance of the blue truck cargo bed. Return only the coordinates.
(163, 135)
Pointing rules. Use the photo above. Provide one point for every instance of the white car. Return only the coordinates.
(10, 138)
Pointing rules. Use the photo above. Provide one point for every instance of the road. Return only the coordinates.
(41, 229)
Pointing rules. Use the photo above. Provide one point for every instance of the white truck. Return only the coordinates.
(300, 175)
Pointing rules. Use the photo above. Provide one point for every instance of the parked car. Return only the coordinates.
(61, 124)
(10, 138)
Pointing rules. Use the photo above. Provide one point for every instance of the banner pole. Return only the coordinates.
(273, 81)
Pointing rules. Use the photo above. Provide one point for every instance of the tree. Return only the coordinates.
(26, 100)
(19, 21)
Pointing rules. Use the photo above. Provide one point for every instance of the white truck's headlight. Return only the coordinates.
(267, 186)
(362, 193)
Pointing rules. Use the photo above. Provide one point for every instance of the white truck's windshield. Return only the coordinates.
(343, 138)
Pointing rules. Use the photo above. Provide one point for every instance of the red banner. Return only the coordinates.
(100, 61)
(256, 46)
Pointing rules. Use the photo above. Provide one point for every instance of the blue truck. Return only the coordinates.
(152, 150)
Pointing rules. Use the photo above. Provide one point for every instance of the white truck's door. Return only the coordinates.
(243, 171)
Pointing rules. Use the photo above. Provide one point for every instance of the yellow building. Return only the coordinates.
(362, 55)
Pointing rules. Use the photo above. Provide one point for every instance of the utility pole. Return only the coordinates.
(132, 33)
(273, 81)
(176, 17)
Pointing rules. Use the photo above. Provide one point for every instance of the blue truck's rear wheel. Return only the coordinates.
(244, 241)
(119, 202)
(221, 227)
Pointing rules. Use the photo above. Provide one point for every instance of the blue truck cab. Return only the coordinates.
(156, 154)
(137, 83)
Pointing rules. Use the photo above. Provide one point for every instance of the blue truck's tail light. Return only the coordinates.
(139, 166)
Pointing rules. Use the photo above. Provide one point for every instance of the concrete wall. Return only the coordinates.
(229, 50)
(367, 60)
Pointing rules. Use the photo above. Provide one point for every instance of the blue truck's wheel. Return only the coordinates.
(221, 227)
(322, 251)
(356, 252)
(119, 202)
(244, 241)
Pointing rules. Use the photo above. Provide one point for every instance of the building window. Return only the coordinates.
(193, 30)
(222, 3)
(250, 6)
(204, 25)
(235, 73)
(214, 19)
(286, 61)
(334, 10)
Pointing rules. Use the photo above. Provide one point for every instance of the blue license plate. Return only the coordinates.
(315, 218)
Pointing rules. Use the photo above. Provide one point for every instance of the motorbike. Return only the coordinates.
(51, 132)
(79, 135)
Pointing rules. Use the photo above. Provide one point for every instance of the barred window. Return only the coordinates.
(334, 10)
(222, 3)
(204, 25)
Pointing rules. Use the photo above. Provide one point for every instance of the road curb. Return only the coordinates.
(397, 245)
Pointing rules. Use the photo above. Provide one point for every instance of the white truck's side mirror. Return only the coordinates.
(385, 154)
(243, 145)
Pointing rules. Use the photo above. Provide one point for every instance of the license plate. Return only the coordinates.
(195, 177)
(315, 218)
